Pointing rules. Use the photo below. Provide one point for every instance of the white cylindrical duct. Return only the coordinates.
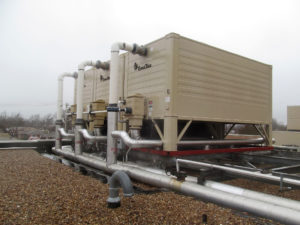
(259, 208)
(60, 93)
(75, 92)
(113, 93)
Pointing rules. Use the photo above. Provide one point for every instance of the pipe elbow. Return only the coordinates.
(121, 179)
(62, 76)
(133, 48)
(117, 46)
(84, 64)
(117, 180)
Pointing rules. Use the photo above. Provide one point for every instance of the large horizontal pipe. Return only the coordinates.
(288, 203)
(64, 133)
(222, 142)
(89, 137)
(259, 208)
(133, 143)
(236, 171)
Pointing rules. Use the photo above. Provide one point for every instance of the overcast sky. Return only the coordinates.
(40, 39)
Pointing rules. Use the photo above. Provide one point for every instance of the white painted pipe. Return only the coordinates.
(60, 93)
(75, 92)
(259, 208)
(113, 93)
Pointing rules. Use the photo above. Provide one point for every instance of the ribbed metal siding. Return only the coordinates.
(293, 118)
(102, 85)
(88, 89)
(223, 83)
(150, 82)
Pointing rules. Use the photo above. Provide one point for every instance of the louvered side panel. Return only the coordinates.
(216, 85)
(88, 87)
(293, 117)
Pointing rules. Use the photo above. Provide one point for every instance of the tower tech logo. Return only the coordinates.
(139, 68)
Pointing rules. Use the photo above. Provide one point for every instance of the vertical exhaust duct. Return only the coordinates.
(113, 93)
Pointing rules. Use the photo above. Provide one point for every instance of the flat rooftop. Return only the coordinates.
(38, 190)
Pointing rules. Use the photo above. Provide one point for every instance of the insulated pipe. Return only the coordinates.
(283, 202)
(64, 133)
(112, 117)
(221, 142)
(241, 172)
(133, 143)
(259, 208)
(89, 137)
(79, 112)
(59, 133)
(117, 180)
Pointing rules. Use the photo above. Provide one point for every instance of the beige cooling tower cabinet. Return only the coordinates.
(192, 90)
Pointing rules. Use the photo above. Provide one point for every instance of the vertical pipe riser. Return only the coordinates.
(58, 137)
(111, 142)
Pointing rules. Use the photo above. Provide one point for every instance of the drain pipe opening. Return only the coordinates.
(117, 180)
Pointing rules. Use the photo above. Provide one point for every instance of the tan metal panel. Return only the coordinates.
(102, 84)
(293, 117)
(290, 138)
(88, 88)
(215, 85)
(147, 76)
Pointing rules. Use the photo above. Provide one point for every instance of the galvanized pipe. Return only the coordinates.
(272, 199)
(221, 142)
(283, 202)
(64, 133)
(241, 172)
(133, 143)
(89, 137)
(259, 208)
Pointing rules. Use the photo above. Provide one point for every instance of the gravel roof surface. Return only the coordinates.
(37, 190)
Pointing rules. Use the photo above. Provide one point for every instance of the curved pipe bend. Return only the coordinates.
(87, 136)
(132, 143)
(117, 180)
(60, 92)
(64, 133)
